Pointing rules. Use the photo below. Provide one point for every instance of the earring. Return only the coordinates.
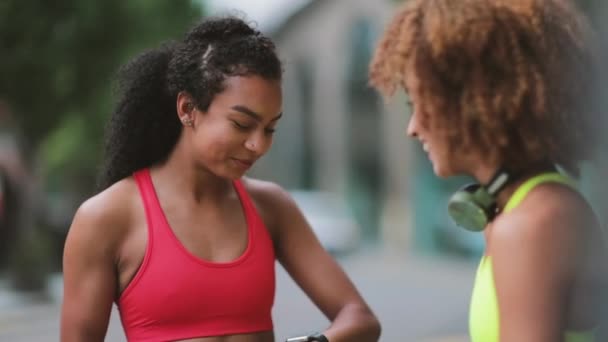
(187, 121)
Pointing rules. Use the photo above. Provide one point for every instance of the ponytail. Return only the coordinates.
(144, 127)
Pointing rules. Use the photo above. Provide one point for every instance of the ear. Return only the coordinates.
(185, 107)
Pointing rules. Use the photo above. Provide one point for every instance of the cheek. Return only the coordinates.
(458, 160)
(215, 144)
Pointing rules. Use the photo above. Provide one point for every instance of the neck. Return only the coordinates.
(180, 174)
(484, 176)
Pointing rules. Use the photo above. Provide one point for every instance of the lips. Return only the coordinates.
(245, 163)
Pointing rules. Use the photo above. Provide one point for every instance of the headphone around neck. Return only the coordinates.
(474, 205)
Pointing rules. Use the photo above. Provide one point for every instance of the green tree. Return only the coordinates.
(57, 59)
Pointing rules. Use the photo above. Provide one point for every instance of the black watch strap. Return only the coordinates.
(318, 337)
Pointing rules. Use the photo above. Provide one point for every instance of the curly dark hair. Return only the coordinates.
(511, 79)
(144, 127)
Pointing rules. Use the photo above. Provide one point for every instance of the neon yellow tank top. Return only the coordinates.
(484, 321)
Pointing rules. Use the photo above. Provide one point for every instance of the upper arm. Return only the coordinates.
(308, 263)
(535, 256)
(89, 274)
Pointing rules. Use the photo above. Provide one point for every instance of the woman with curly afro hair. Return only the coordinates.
(499, 91)
(178, 238)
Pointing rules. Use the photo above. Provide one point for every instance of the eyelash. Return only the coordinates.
(244, 128)
(240, 126)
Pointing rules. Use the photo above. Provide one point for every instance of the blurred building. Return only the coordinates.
(337, 135)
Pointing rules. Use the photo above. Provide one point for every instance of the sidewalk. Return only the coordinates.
(416, 299)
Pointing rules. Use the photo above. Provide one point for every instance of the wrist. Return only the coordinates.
(318, 337)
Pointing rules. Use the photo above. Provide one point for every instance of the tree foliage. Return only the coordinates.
(57, 59)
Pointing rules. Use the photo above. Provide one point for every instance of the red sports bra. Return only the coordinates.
(176, 295)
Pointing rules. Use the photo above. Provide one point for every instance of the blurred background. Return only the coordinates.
(367, 190)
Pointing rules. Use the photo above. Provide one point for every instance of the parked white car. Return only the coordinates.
(330, 219)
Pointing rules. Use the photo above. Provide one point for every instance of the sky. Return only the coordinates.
(267, 13)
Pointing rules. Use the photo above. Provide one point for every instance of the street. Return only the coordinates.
(416, 299)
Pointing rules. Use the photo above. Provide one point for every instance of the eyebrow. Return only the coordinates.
(256, 116)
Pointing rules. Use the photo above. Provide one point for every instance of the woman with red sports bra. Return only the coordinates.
(178, 238)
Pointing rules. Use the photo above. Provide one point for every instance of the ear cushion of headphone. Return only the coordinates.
(465, 211)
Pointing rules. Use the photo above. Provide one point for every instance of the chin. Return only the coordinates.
(231, 175)
(227, 173)
(234, 174)
(442, 171)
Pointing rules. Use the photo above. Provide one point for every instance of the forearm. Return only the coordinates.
(354, 323)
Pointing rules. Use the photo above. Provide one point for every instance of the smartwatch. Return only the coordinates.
(316, 337)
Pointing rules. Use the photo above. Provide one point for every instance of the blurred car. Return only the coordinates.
(330, 219)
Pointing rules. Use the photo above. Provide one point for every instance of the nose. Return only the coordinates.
(258, 143)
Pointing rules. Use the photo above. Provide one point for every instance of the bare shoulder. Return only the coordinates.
(104, 219)
(552, 209)
(265, 192)
(553, 218)
(272, 200)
